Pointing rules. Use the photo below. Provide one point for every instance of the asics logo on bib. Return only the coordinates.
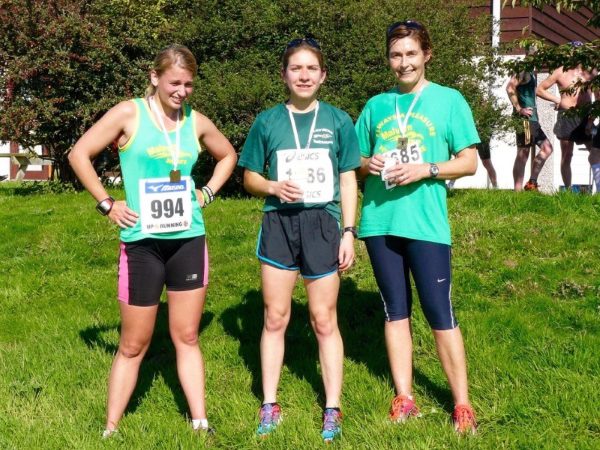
(302, 156)
(166, 187)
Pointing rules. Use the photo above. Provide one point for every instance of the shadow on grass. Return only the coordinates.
(158, 361)
(360, 318)
(244, 323)
(361, 321)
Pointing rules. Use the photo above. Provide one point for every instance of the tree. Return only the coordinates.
(68, 61)
(240, 44)
(65, 62)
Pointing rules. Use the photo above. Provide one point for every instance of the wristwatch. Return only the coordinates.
(434, 170)
(104, 206)
(350, 230)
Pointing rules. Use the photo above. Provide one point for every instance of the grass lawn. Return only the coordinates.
(526, 291)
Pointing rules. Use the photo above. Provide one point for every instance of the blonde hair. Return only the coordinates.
(169, 56)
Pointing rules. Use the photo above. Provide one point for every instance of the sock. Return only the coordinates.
(596, 175)
(199, 424)
(533, 180)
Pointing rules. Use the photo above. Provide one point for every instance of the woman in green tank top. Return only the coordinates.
(162, 232)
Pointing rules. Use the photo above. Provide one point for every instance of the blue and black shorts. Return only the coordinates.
(394, 258)
(307, 240)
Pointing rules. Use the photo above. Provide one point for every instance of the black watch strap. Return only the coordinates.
(104, 206)
(350, 230)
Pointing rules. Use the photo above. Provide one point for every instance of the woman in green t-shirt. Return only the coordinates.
(407, 137)
(302, 155)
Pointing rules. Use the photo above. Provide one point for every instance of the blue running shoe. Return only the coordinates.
(332, 424)
(270, 417)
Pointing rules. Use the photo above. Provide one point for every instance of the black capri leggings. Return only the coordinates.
(393, 258)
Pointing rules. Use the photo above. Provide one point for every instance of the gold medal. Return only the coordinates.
(402, 143)
(175, 176)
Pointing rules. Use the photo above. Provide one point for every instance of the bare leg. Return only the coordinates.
(322, 304)
(137, 325)
(489, 167)
(277, 285)
(185, 311)
(566, 148)
(540, 159)
(398, 341)
(519, 167)
(451, 351)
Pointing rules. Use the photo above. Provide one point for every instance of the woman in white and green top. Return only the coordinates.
(407, 138)
(162, 229)
(302, 157)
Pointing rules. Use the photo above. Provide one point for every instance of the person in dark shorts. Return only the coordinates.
(412, 138)
(162, 229)
(571, 127)
(302, 155)
(521, 93)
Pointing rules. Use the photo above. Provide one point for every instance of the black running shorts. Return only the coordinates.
(535, 135)
(146, 266)
(307, 240)
(571, 127)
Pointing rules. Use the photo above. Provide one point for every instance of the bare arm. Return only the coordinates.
(256, 184)
(349, 196)
(109, 128)
(117, 123)
(370, 166)
(511, 90)
(219, 148)
(542, 90)
(465, 163)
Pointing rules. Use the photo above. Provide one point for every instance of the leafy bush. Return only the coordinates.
(67, 62)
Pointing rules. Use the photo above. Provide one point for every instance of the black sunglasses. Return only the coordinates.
(310, 41)
(410, 24)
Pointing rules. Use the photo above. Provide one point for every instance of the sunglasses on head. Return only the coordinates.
(410, 24)
(310, 41)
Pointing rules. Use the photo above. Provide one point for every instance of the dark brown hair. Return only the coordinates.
(302, 44)
(408, 28)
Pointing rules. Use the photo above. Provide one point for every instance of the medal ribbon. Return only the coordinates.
(312, 128)
(174, 151)
(402, 125)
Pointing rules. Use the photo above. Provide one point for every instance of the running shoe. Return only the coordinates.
(208, 431)
(402, 408)
(531, 186)
(270, 417)
(464, 420)
(332, 424)
(107, 434)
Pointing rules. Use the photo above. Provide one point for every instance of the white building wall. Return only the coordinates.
(4, 162)
(504, 150)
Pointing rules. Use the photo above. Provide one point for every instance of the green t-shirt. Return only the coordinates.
(333, 133)
(441, 124)
(146, 156)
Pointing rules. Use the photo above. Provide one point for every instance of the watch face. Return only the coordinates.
(434, 170)
(104, 206)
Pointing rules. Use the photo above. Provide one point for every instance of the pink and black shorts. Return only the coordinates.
(148, 265)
